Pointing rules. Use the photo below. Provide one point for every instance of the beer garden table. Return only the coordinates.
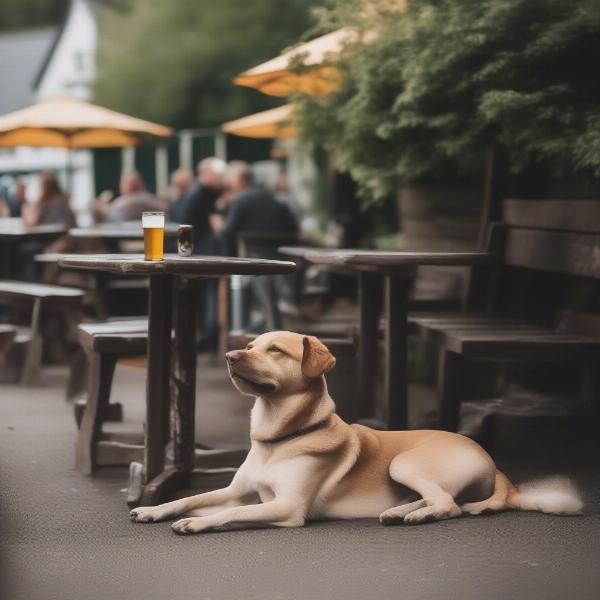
(173, 301)
(397, 270)
(12, 232)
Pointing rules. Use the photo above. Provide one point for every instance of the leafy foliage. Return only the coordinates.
(428, 88)
(174, 61)
(22, 14)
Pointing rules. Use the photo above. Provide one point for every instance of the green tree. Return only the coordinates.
(427, 89)
(174, 61)
(22, 14)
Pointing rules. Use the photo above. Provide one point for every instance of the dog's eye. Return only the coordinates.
(273, 349)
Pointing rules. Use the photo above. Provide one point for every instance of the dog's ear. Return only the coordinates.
(316, 358)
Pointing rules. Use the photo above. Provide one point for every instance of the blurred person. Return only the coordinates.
(201, 203)
(182, 183)
(15, 201)
(133, 201)
(252, 208)
(50, 208)
(52, 205)
(196, 210)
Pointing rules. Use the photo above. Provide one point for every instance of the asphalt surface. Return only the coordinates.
(68, 537)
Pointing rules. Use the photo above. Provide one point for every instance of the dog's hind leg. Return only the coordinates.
(410, 470)
(397, 513)
(496, 502)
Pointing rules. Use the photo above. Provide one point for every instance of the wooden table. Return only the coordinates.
(12, 232)
(397, 270)
(171, 377)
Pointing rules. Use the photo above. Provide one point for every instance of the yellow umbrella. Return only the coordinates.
(274, 77)
(69, 123)
(66, 122)
(273, 123)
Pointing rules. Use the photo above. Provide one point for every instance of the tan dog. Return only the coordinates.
(306, 463)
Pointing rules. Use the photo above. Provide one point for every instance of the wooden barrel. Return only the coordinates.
(439, 218)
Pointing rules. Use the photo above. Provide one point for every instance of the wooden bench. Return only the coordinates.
(39, 297)
(104, 344)
(538, 303)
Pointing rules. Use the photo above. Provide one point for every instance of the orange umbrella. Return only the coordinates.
(273, 123)
(69, 123)
(66, 122)
(275, 78)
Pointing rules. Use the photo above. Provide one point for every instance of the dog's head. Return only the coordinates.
(280, 362)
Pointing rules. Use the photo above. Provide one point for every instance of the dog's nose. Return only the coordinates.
(234, 355)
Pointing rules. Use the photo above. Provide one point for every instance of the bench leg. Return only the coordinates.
(450, 389)
(33, 355)
(78, 374)
(102, 368)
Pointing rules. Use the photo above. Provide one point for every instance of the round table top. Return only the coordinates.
(192, 266)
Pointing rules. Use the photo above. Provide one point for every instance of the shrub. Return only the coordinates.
(427, 88)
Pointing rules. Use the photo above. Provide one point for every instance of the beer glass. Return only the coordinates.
(154, 234)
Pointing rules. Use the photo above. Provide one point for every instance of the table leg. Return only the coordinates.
(396, 356)
(183, 374)
(370, 307)
(157, 379)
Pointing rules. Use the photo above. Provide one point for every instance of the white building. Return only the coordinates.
(39, 63)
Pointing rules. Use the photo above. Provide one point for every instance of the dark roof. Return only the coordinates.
(22, 54)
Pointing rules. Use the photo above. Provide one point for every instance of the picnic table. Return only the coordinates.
(397, 270)
(12, 232)
(171, 377)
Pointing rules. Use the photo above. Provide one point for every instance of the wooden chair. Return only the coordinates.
(538, 303)
(38, 298)
(104, 344)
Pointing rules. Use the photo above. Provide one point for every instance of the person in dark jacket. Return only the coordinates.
(252, 208)
(200, 203)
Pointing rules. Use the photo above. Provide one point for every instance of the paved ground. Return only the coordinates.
(67, 537)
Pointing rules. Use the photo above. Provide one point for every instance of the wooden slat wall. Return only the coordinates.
(558, 252)
(565, 215)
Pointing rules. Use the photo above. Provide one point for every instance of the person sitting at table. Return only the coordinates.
(52, 206)
(253, 208)
(182, 184)
(200, 203)
(133, 201)
(197, 208)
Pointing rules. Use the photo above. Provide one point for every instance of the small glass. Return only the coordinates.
(185, 240)
(153, 224)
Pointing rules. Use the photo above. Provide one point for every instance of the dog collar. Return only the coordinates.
(299, 433)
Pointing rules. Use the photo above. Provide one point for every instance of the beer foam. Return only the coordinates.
(153, 221)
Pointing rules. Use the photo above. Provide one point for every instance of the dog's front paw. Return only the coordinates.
(145, 514)
(190, 525)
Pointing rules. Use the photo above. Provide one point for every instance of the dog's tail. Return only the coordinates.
(556, 495)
